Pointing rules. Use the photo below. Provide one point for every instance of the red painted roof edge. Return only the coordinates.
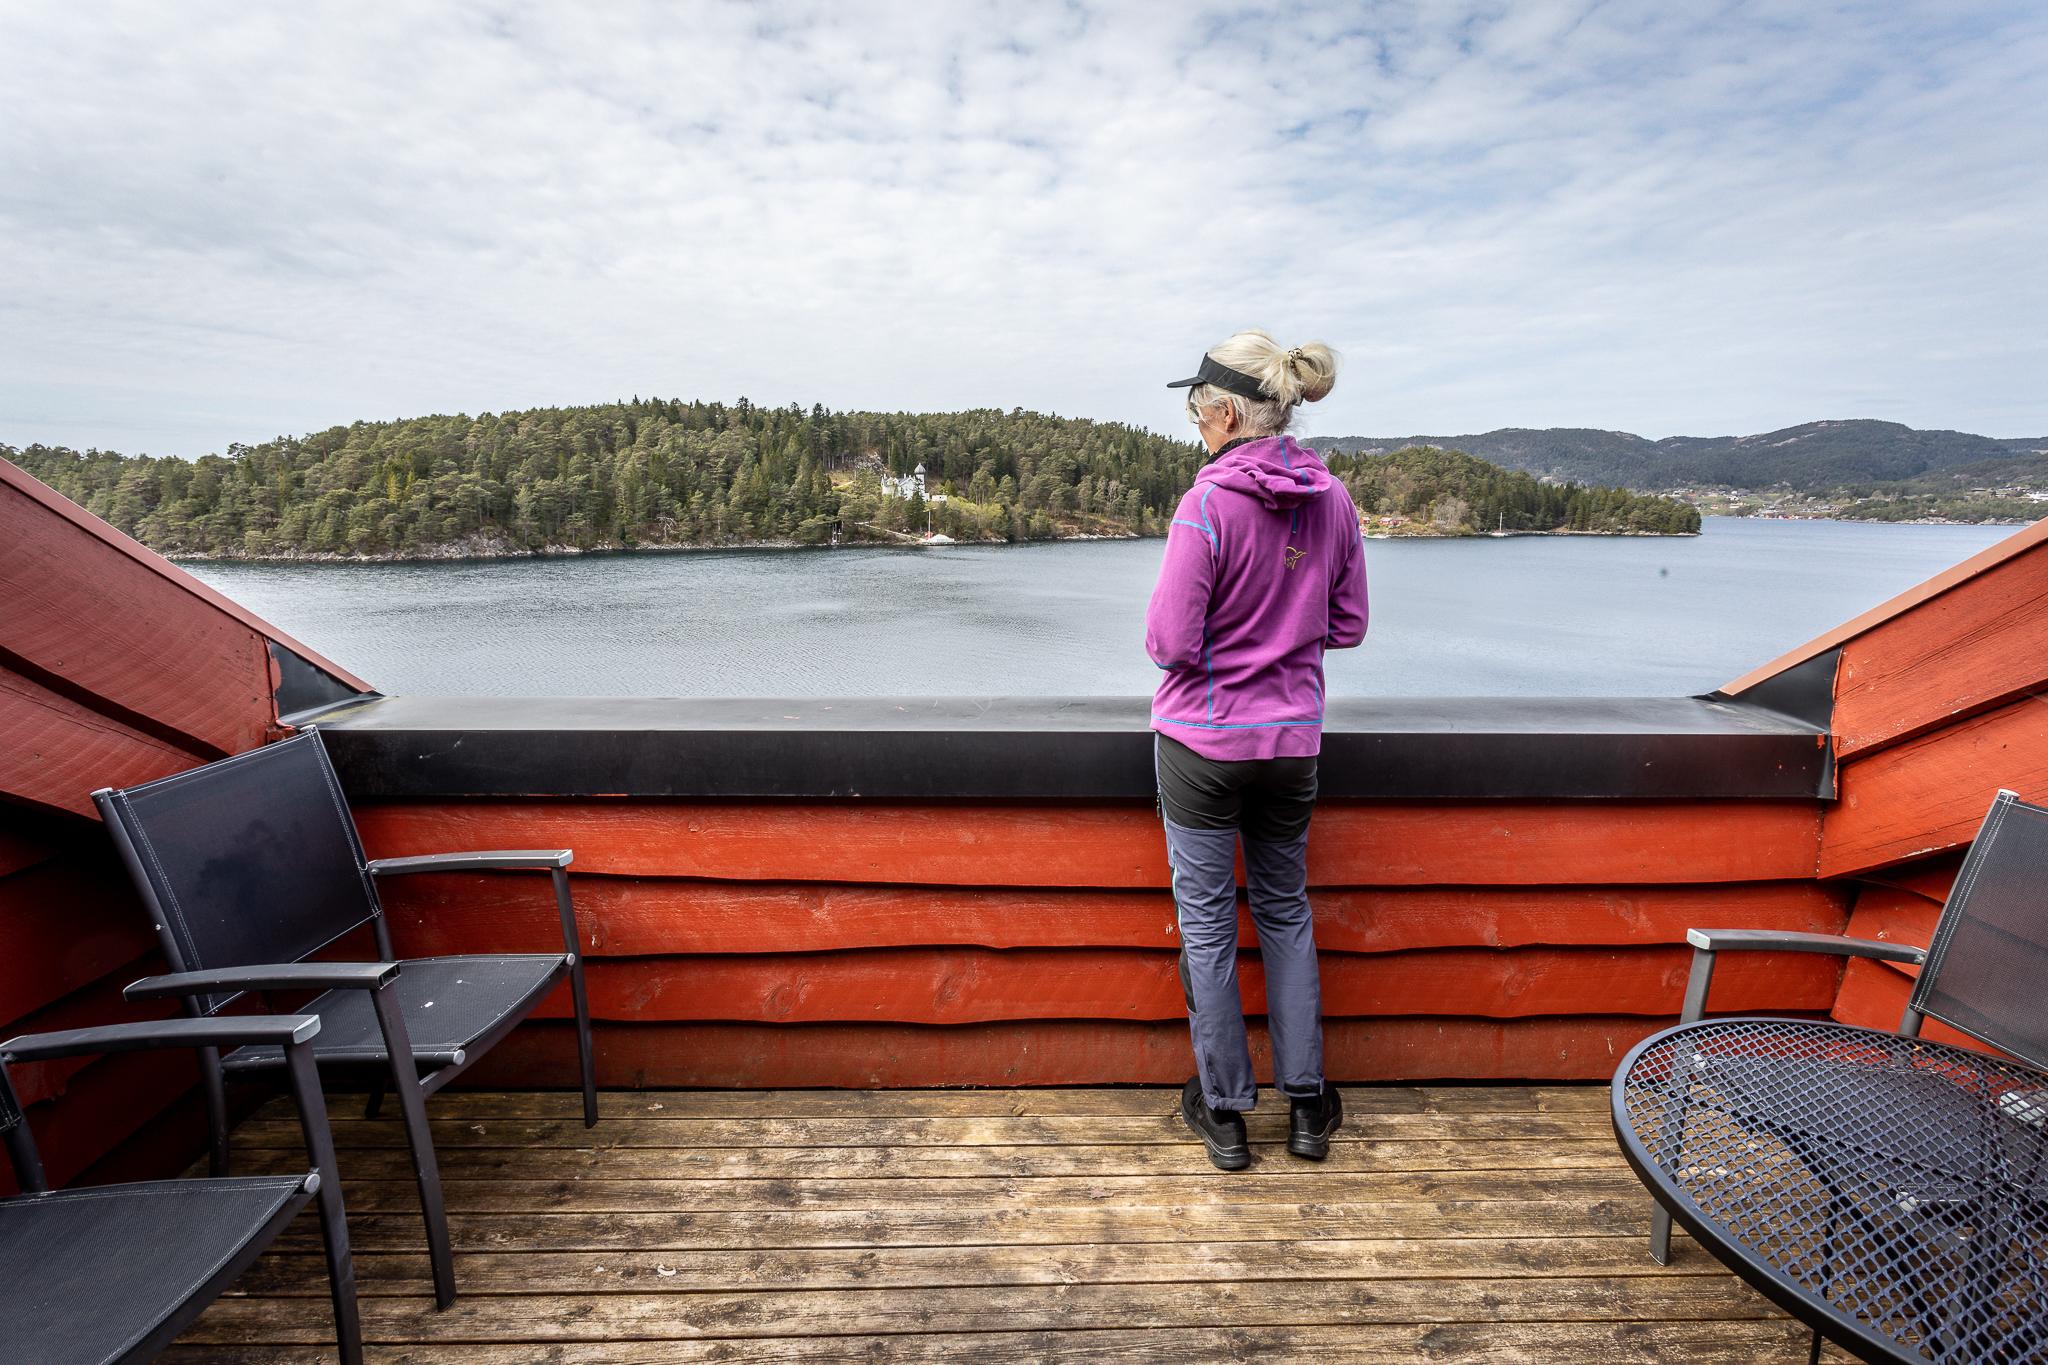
(2026, 538)
(14, 476)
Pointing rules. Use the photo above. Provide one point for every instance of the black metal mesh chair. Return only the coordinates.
(1885, 1171)
(1984, 973)
(116, 1272)
(252, 865)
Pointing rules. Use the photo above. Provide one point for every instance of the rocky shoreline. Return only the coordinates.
(482, 549)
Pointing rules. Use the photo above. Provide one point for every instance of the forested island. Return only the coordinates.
(674, 474)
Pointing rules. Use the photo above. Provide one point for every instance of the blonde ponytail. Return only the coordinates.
(1301, 374)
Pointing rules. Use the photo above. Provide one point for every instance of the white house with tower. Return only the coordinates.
(911, 484)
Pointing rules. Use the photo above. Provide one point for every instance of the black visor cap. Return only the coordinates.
(1227, 379)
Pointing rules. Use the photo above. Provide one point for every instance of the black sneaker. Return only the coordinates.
(1312, 1121)
(1221, 1130)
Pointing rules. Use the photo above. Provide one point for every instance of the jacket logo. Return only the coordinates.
(1294, 556)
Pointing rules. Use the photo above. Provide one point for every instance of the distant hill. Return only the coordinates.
(1811, 457)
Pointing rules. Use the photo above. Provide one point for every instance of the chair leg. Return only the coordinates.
(374, 1105)
(216, 1091)
(583, 1043)
(412, 1108)
(1660, 1234)
(341, 1268)
(574, 946)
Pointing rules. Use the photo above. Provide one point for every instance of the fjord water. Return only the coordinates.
(1528, 616)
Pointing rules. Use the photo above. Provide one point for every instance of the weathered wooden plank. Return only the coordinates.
(1443, 843)
(1450, 1102)
(1196, 1185)
(1482, 1343)
(981, 985)
(660, 1317)
(57, 751)
(1049, 1052)
(1890, 914)
(76, 607)
(944, 1162)
(955, 1224)
(1929, 877)
(1873, 996)
(64, 923)
(351, 1133)
(387, 1275)
(1970, 648)
(1930, 794)
(634, 916)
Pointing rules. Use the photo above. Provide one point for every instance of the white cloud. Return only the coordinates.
(221, 224)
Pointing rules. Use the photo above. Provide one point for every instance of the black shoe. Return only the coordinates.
(1311, 1123)
(1221, 1130)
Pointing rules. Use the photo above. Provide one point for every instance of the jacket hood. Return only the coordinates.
(1273, 469)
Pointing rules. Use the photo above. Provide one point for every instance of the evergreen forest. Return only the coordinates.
(673, 473)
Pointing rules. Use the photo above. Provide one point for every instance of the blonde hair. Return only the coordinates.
(1293, 375)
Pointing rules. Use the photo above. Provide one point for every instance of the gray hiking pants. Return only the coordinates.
(1207, 806)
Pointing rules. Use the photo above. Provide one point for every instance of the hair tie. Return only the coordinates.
(1294, 355)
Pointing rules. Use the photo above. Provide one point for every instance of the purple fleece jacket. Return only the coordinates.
(1265, 569)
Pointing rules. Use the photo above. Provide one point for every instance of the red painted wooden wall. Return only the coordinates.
(871, 944)
(1937, 705)
(115, 667)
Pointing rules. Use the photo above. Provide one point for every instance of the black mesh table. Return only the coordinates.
(1888, 1191)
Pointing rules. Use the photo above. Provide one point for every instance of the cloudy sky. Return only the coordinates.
(224, 223)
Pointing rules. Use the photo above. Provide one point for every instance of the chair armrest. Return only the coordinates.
(282, 976)
(552, 860)
(235, 1030)
(498, 860)
(1707, 942)
(1785, 941)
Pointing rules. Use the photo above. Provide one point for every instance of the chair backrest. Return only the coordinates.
(250, 860)
(1987, 966)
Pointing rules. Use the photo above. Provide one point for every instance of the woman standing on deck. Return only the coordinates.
(1264, 571)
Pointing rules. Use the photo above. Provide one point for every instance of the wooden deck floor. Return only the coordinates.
(1462, 1224)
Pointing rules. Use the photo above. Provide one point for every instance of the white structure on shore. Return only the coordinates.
(910, 485)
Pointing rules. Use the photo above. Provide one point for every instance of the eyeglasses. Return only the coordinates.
(1194, 413)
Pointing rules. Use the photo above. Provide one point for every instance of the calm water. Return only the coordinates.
(1532, 616)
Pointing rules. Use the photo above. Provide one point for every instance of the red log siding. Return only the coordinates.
(1937, 706)
(1970, 648)
(1103, 847)
(82, 609)
(1056, 1052)
(650, 916)
(115, 667)
(1930, 794)
(59, 750)
(839, 944)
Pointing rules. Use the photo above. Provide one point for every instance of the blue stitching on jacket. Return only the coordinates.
(1209, 663)
(1254, 725)
(1181, 521)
